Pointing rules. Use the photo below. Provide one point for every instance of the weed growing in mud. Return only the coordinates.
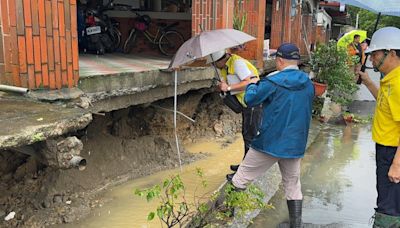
(204, 211)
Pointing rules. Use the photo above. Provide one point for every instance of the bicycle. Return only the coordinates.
(167, 39)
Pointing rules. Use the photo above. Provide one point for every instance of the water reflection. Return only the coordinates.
(338, 180)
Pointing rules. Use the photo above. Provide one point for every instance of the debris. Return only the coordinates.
(10, 216)
(39, 119)
(68, 202)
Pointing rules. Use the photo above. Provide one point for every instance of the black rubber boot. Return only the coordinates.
(295, 208)
(234, 167)
(230, 176)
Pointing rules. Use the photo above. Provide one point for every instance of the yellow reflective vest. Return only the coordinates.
(230, 69)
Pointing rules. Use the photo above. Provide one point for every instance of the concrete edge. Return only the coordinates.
(42, 132)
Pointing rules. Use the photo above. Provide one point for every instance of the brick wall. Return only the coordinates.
(211, 14)
(255, 10)
(38, 43)
(216, 14)
(285, 28)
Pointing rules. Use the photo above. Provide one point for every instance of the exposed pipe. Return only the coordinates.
(78, 162)
(15, 89)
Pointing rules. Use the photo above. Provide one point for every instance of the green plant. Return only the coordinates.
(174, 208)
(333, 66)
(239, 16)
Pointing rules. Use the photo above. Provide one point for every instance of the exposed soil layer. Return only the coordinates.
(119, 146)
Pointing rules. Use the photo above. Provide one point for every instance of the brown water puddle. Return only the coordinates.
(127, 210)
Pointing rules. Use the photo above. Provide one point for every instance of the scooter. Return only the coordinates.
(100, 33)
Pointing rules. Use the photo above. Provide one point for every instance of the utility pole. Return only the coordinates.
(357, 20)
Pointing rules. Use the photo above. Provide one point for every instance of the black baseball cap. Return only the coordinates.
(288, 51)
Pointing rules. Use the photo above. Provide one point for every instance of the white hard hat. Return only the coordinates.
(387, 38)
(215, 56)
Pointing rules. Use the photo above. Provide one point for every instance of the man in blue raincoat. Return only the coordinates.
(286, 96)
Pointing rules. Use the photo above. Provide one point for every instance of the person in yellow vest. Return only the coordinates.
(236, 73)
(385, 57)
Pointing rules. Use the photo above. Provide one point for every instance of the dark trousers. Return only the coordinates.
(388, 201)
(251, 120)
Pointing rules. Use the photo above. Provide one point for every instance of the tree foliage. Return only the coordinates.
(367, 20)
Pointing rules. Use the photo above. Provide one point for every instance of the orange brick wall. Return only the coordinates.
(211, 14)
(321, 36)
(39, 43)
(285, 28)
(255, 10)
(203, 11)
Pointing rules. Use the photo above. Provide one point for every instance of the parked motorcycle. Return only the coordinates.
(98, 33)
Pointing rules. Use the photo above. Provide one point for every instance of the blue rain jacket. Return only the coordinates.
(287, 103)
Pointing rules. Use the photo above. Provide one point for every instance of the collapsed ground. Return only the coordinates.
(119, 146)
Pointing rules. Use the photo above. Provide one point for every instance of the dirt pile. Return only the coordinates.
(118, 146)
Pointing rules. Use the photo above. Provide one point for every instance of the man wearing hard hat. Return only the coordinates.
(384, 53)
(236, 73)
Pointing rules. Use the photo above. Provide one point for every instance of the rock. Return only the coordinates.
(10, 216)
(57, 199)
(69, 218)
(46, 203)
(218, 128)
(84, 103)
(2, 213)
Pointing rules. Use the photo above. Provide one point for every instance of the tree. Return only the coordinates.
(367, 19)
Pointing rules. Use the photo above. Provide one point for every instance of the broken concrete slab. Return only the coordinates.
(24, 122)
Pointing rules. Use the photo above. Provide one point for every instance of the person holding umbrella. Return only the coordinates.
(384, 53)
(286, 96)
(236, 74)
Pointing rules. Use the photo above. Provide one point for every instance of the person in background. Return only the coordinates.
(384, 53)
(354, 48)
(286, 97)
(236, 73)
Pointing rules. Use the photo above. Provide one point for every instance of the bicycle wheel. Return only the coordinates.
(130, 42)
(115, 36)
(170, 42)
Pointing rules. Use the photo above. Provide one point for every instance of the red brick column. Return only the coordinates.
(255, 26)
(203, 12)
(39, 43)
(281, 23)
(211, 14)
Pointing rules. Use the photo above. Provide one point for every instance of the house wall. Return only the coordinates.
(38, 43)
(211, 14)
(217, 14)
(290, 24)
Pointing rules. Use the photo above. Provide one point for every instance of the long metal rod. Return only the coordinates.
(14, 89)
(175, 110)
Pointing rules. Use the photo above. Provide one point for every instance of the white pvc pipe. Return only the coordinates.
(14, 89)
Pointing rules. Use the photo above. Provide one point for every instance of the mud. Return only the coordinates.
(119, 146)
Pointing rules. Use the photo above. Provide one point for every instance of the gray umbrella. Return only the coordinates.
(206, 43)
(198, 47)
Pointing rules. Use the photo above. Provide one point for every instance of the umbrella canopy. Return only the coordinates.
(385, 7)
(206, 43)
(347, 38)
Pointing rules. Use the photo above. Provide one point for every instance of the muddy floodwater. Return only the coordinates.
(338, 181)
(124, 209)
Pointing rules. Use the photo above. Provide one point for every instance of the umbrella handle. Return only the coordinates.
(363, 67)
